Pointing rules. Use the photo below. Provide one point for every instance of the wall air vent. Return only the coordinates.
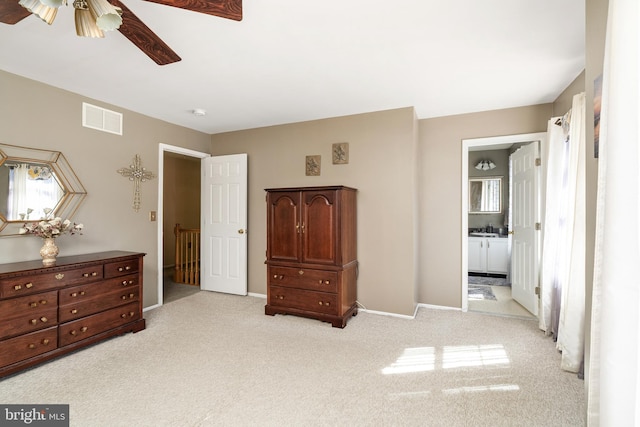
(101, 119)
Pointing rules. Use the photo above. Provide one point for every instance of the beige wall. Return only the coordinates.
(381, 167)
(440, 191)
(36, 115)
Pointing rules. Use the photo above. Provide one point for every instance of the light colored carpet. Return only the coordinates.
(216, 360)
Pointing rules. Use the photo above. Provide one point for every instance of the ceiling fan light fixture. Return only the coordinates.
(46, 13)
(86, 24)
(54, 3)
(108, 17)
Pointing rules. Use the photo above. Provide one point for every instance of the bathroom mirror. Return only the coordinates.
(485, 195)
(32, 180)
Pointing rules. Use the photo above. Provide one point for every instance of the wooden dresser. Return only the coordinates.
(49, 311)
(311, 253)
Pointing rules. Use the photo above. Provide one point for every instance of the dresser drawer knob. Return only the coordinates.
(82, 292)
(123, 315)
(85, 275)
(34, 321)
(59, 276)
(43, 302)
(43, 319)
(74, 332)
(275, 276)
(131, 313)
(17, 287)
(326, 282)
(45, 341)
(301, 272)
(74, 311)
(74, 294)
(132, 295)
(33, 304)
(323, 303)
(84, 329)
(32, 346)
(123, 297)
(29, 285)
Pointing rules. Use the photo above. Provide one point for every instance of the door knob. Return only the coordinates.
(241, 231)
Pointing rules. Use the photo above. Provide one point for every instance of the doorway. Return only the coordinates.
(488, 145)
(187, 154)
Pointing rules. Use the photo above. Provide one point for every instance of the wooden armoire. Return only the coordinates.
(312, 262)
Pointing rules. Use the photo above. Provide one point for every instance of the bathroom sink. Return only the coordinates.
(477, 234)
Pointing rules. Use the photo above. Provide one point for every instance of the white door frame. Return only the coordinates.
(160, 214)
(489, 143)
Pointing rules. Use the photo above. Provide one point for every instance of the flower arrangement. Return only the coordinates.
(51, 227)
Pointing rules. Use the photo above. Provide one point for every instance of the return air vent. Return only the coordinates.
(101, 119)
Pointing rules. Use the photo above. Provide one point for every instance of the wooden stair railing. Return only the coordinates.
(187, 268)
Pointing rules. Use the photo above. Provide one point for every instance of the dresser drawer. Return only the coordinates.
(85, 292)
(89, 326)
(25, 285)
(303, 278)
(120, 268)
(28, 345)
(320, 302)
(94, 302)
(28, 313)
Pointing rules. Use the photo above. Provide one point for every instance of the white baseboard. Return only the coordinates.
(439, 307)
(253, 294)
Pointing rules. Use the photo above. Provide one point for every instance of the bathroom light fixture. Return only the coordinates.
(92, 17)
(485, 165)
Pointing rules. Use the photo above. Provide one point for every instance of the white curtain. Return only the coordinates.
(614, 368)
(563, 262)
(18, 203)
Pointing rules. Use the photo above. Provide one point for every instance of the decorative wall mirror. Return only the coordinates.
(32, 180)
(485, 195)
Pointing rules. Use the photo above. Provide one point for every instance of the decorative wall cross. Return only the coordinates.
(137, 174)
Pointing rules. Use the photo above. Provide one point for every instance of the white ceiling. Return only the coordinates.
(292, 60)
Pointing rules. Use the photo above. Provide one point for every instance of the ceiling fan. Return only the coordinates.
(13, 11)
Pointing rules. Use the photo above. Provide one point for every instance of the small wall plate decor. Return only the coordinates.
(340, 152)
(312, 165)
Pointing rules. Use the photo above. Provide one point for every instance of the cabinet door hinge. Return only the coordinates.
(538, 161)
(538, 226)
(537, 291)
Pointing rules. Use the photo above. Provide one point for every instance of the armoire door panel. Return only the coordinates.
(319, 228)
(284, 241)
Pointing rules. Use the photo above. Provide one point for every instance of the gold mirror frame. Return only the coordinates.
(73, 190)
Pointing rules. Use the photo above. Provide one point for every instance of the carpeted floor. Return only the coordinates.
(211, 359)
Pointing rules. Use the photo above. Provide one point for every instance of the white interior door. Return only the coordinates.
(524, 216)
(224, 224)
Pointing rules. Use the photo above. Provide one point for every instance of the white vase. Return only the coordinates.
(49, 251)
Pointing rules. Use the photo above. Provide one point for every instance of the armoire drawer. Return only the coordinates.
(320, 302)
(89, 326)
(28, 345)
(303, 278)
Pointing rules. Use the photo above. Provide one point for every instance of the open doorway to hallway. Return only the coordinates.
(179, 203)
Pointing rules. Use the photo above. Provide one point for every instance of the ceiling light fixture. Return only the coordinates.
(485, 165)
(92, 17)
(199, 112)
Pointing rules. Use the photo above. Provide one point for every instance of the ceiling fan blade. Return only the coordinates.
(11, 12)
(229, 9)
(145, 39)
